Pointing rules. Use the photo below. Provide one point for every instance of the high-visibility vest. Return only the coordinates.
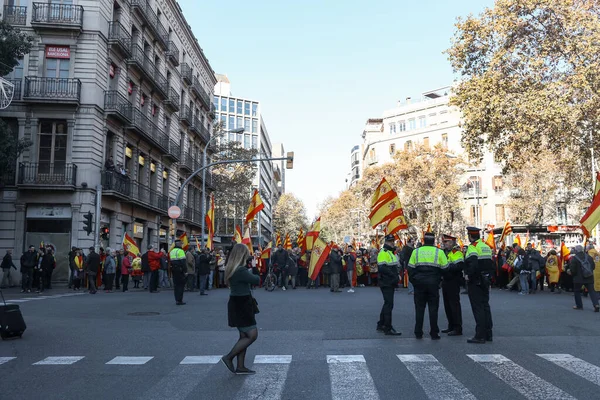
(428, 256)
(177, 254)
(455, 257)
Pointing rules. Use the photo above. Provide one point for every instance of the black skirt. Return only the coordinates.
(240, 311)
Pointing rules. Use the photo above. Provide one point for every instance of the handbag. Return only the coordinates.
(254, 304)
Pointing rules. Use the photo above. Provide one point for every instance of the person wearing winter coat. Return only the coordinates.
(350, 258)
(581, 267)
(292, 269)
(47, 265)
(335, 267)
(126, 271)
(536, 264)
(110, 269)
(190, 262)
(203, 268)
(7, 264)
(553, 271)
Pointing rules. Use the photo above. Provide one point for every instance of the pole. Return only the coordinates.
(203, 205)
(593, 159)
(97, 224)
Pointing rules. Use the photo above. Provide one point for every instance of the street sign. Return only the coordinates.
(174, 212)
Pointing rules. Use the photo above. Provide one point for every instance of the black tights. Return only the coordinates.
(239, 349)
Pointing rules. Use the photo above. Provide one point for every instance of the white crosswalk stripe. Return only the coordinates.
(59, 360)
(129, 360)
(523, 381)
(55, 296)
(343, 366)
(425, 368)
(200, 360)
(269, 381)
(575, 365)
(4, 360)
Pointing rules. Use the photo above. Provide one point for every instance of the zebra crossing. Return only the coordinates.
(428, 372)
(42, 297)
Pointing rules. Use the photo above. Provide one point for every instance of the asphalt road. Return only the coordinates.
(312, 344)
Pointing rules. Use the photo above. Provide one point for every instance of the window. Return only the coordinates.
(254, 142)
(497, 183)
(247, 124)
(239, 108)
(246, 141)
(223, 104)
(422, 122)
(238, 121)
(412, 124)
(239, 137)
(500, 214)
(57, 68)
(215, 102)
(392, 148)
(401, 126)
(426, 142)
(224, 121)
(445, 140)
(231, 137)
(246, 108)
(408, 145)
(254, 109)
(231, 122)
(392, 128)
(17, 72)
(254, 125)
(231, 105)
(52, 154)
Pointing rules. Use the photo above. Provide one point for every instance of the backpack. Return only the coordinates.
(586, 268)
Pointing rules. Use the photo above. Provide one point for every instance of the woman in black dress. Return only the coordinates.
(240, 308)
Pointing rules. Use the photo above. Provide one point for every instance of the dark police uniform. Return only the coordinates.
(178, 268)
(451, 282)
(478, 266)
(388, 267)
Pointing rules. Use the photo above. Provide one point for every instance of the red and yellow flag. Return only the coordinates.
(460, 242)
(185, 243)
(247, 239)
(597, 184)
(505, 231)
(300, 240)
(238, 234)
(278, 241)
(319, 254)
(382, 211)
(518, 240)
(287, 244)
(265, 254)
(256, 205)
(130, 245)
(564, 255)
(382, 193)
(490, 241)
(313, 234)
(210, 223)
(592, 217)
(396, 223)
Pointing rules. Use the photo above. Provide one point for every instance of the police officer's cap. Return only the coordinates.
(429, 235)
(390, 238)
(448, 238)
(471, 230)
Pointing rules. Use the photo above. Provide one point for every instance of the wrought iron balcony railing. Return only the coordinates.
(173, 101)
(185, 115)
(47, 174)
(115, 102)
(52, 89)
(117, 34)
(15, 15)
(172, 53)
(186, 73)
(61, 16)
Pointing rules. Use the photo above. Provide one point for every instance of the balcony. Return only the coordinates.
(7, 178)
(191, 215)
(172, 53)
(147, 129)
(472, 192)
(151, 20)
(52, 90)
(148, 197)
(372, 160)
(212, 111)
(187, 162)
(199, 92)
(186, 74)
(160, 84)
(185, 116)
(139, 60)
(172, 102)
(15, 15)
(116, 184)
(48, 175)
(17, 91)
(198, 128)
(116, 104)
(174, 151)
(119, 37)
(57, 16)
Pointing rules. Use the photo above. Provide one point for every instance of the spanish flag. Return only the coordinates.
(564, 255)
(313, 234)
(238, 234)
(592, 216)
(319, 254)
(247, 239)
(210, 223)
(287, 244)
(382, 193)
(256, 205)
(491, 242)
(381, 213)
(185, 243)
(130, 245)
(597, 184)
(518, 240)
(396, 223)
(265, 254)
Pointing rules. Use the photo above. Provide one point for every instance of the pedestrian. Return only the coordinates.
(163, 272)
(279, 261)
(388, 270)
(478, 266)
(46, 265)
(407, 251)
(146, 268)
(523, 270)
(179, 269)
(154, 263)
(78, 264)
(213, 267)
(350, 258)
(425, 269)
(71, 257)
(7, 264)
(119, 260)
(126, 271)
(110, 269)
(536, 264)
(92, 267)
(553, 271)
(581, 268)
(592, 252)
(50, 267)
(335, 268)
(291, 269)
(221, 268)
(241, 308)
(137, 274)
(451, 281)
(190, 262)
(203, 268)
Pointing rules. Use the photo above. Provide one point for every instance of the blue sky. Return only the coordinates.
(321, 68)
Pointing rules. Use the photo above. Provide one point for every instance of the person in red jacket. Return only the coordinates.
(154, 261)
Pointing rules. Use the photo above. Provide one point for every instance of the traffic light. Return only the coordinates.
(104, 232)
(88, 223)
(290, 160)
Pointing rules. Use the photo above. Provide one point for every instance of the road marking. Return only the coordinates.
(575, 365)
(523, 381)
(354, 368)
(178, 383)
(268, 383)
(200, 360)
(129, 360)
(4, 360)
(17, 301)
(268, 359)
(59, 360)
(434, 378)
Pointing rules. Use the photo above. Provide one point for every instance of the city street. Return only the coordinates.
(312, 344)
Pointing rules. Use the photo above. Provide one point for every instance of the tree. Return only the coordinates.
(289, 215)
(13, 46)
(530, 79)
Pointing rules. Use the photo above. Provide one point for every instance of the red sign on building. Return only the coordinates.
(58, 52)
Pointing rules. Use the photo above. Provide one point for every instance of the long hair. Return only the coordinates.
(237, 258)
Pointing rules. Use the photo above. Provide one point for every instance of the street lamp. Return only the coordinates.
(203, 211)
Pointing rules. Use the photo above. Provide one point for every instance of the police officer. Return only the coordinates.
(425, 269)
(478, 266)
(388, 266)
(451, 282)
(179, 268)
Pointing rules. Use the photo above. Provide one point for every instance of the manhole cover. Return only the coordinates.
(143, 313)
